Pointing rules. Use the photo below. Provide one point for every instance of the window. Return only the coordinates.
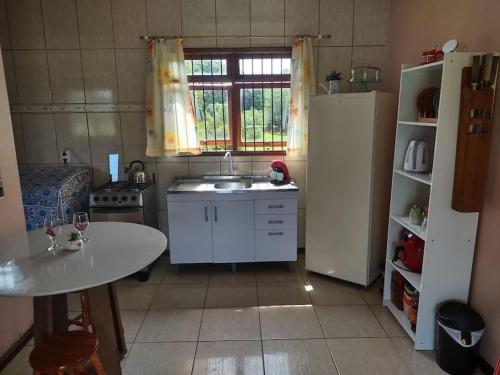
(240, 98)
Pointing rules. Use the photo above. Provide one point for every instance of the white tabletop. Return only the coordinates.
(114, 250)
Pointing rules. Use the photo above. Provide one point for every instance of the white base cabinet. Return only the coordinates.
(232, 228)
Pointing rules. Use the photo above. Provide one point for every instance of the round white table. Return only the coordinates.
(114, 251)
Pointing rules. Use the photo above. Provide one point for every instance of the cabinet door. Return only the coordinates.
(233, 231)
(190, 232)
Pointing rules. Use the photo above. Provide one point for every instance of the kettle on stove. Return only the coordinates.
(417, 157)
(136, 172)
(279, 173)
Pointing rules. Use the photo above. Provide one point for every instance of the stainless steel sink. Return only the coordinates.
(232, 185)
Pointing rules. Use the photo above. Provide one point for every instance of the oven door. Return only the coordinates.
(123, 214)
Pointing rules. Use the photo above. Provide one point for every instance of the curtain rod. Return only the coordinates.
(163, 37)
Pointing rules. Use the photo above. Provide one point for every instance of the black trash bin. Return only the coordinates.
(459, 331)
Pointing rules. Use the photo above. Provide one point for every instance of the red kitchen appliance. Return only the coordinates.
(279, 173)
(410, 252)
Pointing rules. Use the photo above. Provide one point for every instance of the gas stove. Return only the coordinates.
(119, 194)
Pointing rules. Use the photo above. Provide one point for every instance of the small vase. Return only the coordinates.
(74, 245)
(334, 87)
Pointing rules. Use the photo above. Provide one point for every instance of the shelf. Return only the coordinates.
(426, 67)
(401, 318)
(413, 278)
(415, 229)
(424, 178)
(416, 123)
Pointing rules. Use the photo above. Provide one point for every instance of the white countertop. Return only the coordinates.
(114, 251)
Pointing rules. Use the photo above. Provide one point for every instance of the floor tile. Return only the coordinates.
(289, 322)
(301, 357)
(390, 325)
(135, 296)
(348, 321)
(374, 356)
(156, 276)
(222, 274)
(180, 296)
(230, 324)
(188, 273)
(170, 325)
(20, 364)
(373, 295)
(132, 321)
(160, 358)
(231, 295)
(420, 362)
(334, 292)
(278, 272)
(272, 294)
(228, 357)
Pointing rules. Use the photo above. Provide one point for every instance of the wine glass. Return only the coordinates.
(52, 226)
(81, 223)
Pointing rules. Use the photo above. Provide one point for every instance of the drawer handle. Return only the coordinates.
(215, 212)
(275, 206)
(275, 222)
(275, 233)
(206, 213)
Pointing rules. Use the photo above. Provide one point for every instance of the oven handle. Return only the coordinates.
(115, 210)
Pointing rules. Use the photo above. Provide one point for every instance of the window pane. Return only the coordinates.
(264, 115)
(212, 125)
(266, 66)
(206, 67)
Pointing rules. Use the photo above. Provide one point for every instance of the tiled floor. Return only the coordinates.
(259, 320)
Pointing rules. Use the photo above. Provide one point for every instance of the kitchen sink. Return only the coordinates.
(232, 185)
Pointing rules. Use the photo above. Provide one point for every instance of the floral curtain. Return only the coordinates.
(302, 85)
(170, 122)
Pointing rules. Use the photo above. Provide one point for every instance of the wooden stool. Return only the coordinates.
(67, 352)
(83, 319)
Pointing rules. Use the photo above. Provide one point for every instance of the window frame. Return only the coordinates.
(239, 81)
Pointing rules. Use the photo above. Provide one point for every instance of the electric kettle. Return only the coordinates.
(417, 157)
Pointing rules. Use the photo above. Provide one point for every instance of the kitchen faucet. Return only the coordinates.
(228, 155)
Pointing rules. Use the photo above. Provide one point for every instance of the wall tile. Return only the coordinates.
(374, 56)
(207, 42)
(233, 42)
(129, 23)
(242, 168)
(99, 75)
(4, 27)
(25, 22)
(131, 71)
(301, 17)
(10, 76)
(371, 21)
(261, 168)
(233, 17)
(17, 128)
(334, 58)
(66, 80)
(72, 132)
(134, 136)
(100, 175)
(167, 172)
(105, 136)
(172, 159)
(160, 10)
(40, 138)
(95, 23)
(268, 17)
(204, 159)
(336, 18)
(60, 24)
(262, 41)
(198, 17)
(204, 169)
(32, 77)
(297, 171)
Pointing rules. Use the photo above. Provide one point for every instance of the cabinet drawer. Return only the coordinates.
(276, 206)
(276, 245)
(275, 221)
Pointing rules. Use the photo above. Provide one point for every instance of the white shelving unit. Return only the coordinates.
(450, 235)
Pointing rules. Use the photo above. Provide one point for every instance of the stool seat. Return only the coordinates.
(62, 351)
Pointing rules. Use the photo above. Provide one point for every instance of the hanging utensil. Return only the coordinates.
(476, 71)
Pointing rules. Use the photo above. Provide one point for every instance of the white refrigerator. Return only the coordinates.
(349, 166)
